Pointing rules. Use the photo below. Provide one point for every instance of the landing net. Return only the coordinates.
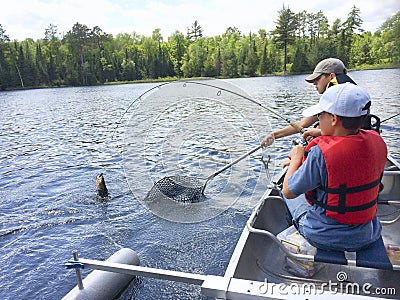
(179, 188)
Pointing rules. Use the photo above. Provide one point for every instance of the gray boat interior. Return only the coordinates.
(260, 257)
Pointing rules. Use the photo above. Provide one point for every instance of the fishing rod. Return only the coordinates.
(291, 123)
(390, 117)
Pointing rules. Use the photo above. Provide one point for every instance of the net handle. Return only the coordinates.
(234, 162)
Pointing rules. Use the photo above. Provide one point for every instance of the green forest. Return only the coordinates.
(90, 56)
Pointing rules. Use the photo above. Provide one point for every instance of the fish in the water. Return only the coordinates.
(102, 190)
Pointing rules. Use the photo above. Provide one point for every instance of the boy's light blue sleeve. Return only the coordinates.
(310, 175)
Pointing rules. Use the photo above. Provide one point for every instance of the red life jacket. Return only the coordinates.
(355, 166)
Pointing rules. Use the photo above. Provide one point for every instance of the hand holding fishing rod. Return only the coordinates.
(270, 138)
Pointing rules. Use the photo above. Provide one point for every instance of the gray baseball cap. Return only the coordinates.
(327, 66)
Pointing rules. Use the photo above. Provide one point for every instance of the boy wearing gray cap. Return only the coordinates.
(328, 72)
(331, 186)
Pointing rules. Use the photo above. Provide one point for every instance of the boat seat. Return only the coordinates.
(374, 256)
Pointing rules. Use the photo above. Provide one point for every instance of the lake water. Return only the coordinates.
(55, 141)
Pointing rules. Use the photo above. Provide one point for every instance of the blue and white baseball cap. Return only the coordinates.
(345, 100)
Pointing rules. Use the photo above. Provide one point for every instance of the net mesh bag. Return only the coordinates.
(179, 188)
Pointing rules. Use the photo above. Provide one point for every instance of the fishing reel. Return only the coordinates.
(300, 141)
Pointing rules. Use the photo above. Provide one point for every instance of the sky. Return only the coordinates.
(29, 18)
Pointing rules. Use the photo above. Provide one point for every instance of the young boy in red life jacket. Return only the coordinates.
(331, 186)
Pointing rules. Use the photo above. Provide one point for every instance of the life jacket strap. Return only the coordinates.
(343, 209)
(342, 191)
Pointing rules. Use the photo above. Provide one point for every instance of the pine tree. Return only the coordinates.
(284, 33)
(194, 32)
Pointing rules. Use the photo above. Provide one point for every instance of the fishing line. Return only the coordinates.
(119, 122)
(133, 102)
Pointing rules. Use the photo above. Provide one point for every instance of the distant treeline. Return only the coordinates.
(85, 56)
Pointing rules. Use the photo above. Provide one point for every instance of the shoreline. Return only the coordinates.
(166, 79)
